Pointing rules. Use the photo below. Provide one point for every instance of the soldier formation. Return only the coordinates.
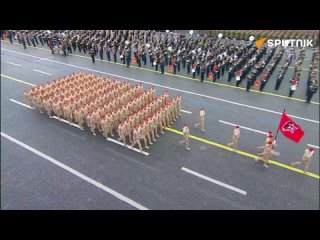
(106, 105)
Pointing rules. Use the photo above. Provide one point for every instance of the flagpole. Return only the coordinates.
(275, 138)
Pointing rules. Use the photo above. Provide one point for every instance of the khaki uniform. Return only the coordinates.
(39, 103)
(29, 98)
(48, 106)
(201, 120)
(235, 138)
(265, 155)
(151, 127)
(147, 130)
(78, 116)
(179, 105)
(91, 123)
(185, 140)
(122, 133)
(136, 138)
(57, 109)
(306, 158)
(67, 112)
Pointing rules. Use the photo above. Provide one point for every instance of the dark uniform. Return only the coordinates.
(198, 68)
(92, 54)
(202, 70)
(144, 57)
(312, 89)
(183, 60)
(188, 65)
(279, 80)
(162, 63)
(250, 81)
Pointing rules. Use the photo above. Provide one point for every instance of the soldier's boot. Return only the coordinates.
(145, 142)
(152, 135)
(156, 132)
(93, 131)
(81, 125)
(168, 122)
(111, 132)
(149, 139)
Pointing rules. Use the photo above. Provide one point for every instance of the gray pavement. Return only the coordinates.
(156, 181)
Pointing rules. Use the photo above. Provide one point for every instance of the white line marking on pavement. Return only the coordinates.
(42, 72)
(20, 103)
(78, 174)
(65, 121)
(175, 89)
(132, 148)
(215, 181)
(242, 127)
(310, 145)
(55, 117)
(14, 64)
(185, 111)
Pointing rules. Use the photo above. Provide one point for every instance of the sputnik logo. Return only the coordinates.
(260, 42)
(289, 127)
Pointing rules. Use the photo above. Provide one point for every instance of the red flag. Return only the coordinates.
(290, 128)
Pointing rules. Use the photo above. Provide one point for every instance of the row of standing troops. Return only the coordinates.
(107, 105)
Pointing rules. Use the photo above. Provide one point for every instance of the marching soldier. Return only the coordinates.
(136, 138)
(38, 101)
(185, 140)
(235, 138)
(265, 155)
(78, 116)
(306, 158)
(108, 126)
(67, 112)
(57, 109)
(91, 123)
(152, 126)
(201, 120)
(128, 128)
(48, 106)
(122, 133)
(147, 129)
(29, 98)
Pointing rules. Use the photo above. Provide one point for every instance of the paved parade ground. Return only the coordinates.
(48, 164)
